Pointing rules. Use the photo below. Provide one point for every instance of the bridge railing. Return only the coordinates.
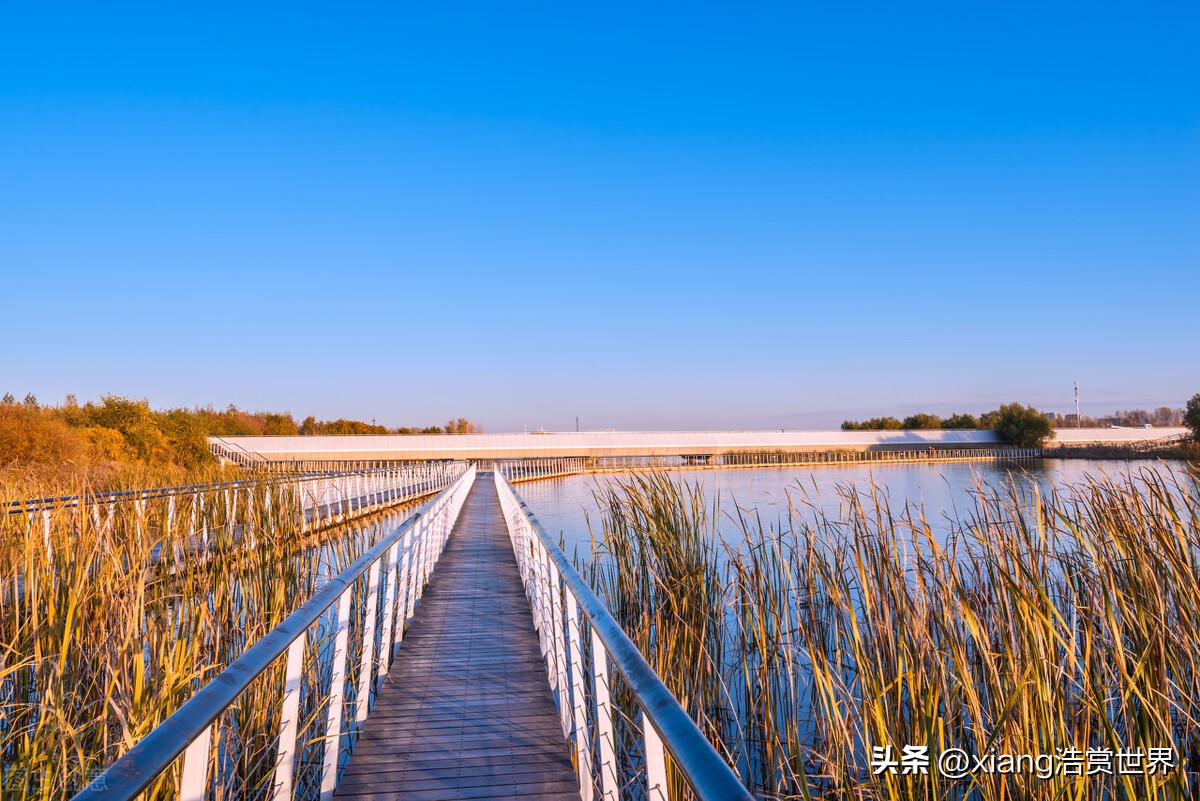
(319, 488)
(371, 601)
(232, 452)
(183, 518)
(518, 470)
(565, 610)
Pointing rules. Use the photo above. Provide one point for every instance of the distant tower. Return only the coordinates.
(1077, 404)
(576, 424)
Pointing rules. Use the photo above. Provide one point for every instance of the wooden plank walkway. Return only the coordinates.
(467, 710)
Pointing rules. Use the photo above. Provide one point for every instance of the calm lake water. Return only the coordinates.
(564, 506)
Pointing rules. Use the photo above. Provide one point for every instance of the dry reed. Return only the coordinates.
(1031, 623)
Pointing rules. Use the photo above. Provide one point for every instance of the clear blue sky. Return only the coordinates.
(649, 216)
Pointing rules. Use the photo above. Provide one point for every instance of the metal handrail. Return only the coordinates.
(53, 502)
(188, 730)
(251, 457)
(519, 470)
(547, 571)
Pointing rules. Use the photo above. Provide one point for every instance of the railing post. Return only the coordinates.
(434, 547)
(337, 689)
(138, 512)
(289, 720)
(194, 781)
(406, 583)
(418, 560)
(544, 626)
(656, 763)
(427, 536)
(368, 645)
(604, 724)
(583, 743)
(302, 495)
(389, 617)
(564, 706)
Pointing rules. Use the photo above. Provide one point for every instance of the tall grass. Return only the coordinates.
(34, 481)
(111, 618)
(1029, 623)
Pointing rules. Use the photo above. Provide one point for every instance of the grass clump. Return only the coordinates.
(1031, 623)
(112, 616)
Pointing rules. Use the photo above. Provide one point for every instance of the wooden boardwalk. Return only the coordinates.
(467, 710)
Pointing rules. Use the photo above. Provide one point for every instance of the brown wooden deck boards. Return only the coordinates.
(466, 711)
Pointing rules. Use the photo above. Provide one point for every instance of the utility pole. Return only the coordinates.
(1077, 404)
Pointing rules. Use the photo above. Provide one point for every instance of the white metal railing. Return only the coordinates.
(232, 452)
(185, 516)
(347, 489)
(564, 610)
(386, 583)
(518, 470)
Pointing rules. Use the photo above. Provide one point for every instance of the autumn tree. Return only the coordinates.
(280, 424)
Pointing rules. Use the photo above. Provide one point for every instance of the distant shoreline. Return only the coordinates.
(1179, 448)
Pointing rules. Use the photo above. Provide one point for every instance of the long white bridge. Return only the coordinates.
(619, 449)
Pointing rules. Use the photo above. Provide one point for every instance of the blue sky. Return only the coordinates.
(680, 217)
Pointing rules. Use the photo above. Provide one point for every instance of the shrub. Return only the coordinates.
(1022, 426)
(1191, 416)
(29, 436)
(961, 421)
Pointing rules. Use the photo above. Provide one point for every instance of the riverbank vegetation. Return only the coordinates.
(1016, 425)
(1162, 417)
(118, 442)
(1029, 623)
(1181, 449)
(111, 618)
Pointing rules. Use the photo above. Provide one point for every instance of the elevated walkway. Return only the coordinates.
(499, 686)
(466, 711)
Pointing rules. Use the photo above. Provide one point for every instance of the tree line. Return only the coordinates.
(1161, 417)
(919, 421)
(122, 431)
(1026, 427)
(1014, 424)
